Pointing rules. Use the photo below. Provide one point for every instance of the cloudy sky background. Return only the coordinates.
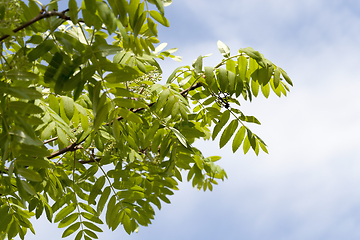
(308, 187)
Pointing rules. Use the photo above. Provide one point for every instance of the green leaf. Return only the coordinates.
(91, 217)
(62, 136)
(255, 87)
(122, 74)
(102, 115)
(160, 6)
(129, 103)
(159, 18)
(105, 49)
(162, 99)
(23, 93)
(88, 208)
(68, 220)
(28, 187)
(30, 150)
(68, 104)
(265, 90)
(263, 147)
(73, 9)
(96, 189)
(228, 132)
(21, 75)
(232, 82)
(90, 234)
(223, 48)
(40, 50)
(23, 138)
(152, 27)
(246, 145)
(251, 119)
(179, 136)
(129, 115)
(107, 15)
(110, 210)
(198, 65)
(92, 226)
(185, 80)
(70, 230)
(24, 108)
(276, 77)
(29, 174)
(171, 78)
(255, 55)
(239, 137)
(223, 120)
(65, 212)
(79, 235)
(91, 5)
(223, 79)
(53, 68)
(209, 77)
(286, 77)
(31, 161)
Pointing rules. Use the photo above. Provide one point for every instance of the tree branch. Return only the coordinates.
(71, 147)
(41, 15)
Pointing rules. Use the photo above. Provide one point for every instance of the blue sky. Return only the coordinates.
(308, 187)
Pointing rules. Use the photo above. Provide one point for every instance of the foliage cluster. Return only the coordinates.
(87, 127)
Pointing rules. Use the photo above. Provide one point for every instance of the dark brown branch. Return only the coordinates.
(72, 147)
(40, 16)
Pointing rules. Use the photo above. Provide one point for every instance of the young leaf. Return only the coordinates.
(286, 77)
(73, 9)
(70, 230)
(265, 90)
(239, 137)
(65, 212)
(68, 104)
(160, 6)
(223, 120)
(29, 174)
(223, 79)
(88, 208)
(68, 220)
(91, 217)
(223, 48)
(179, 136)
(198, 65)
(172, 75)
(276, 78)
(92, 226)
(40, 50)
(228, 132)
(96, 189)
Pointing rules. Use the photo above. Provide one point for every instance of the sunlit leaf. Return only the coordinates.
(223, 48)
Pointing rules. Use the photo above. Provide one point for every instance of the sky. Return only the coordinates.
(308, 186)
